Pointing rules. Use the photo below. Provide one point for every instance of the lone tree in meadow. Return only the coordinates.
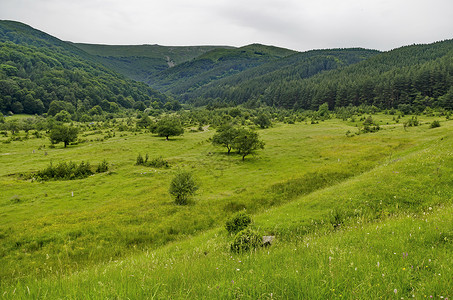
(225, 136)
(62, 133)
(182, 187)
(247, 141)
(168, 126)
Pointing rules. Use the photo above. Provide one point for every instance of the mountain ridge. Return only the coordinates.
(413, 76)
(37, 69)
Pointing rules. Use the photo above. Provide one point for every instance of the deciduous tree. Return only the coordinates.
(62, 133)
(247, 141)
(225, 136)
(169, 126)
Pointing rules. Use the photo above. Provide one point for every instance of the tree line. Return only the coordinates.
(411, 77)
(32, 78)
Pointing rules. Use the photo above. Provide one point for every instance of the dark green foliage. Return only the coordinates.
(225, 136)
(412, 122)
(238, 222)
(182, 187)
(247, 142)
(323, 111)
(169, 126)
(63, 116)
(138, 62)
(140, 161)
(246, 240)
(409, 78)
(62, 133)
(434, 124)
(263, 121)
(102, 167)
(157, 162)
(57, 106)
(369, 125)
(144, 122)
(213, 66)
(37, 69)
(259, 82)
(65, 171)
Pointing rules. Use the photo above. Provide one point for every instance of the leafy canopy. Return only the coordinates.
(62, 133)
(247, 141)
(225, 136)
(182, 187)
(169, 126)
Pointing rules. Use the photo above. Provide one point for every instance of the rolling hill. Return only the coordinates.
(139, 62)
(251, 84)
(215, 65)
(37, 69)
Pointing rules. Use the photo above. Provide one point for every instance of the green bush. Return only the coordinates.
(412, 122)
(434, 124)
(182, 187)
(65, 171)
(246, 240)
(238, 222)
(140, 161)
(103, 167)
(158, 162)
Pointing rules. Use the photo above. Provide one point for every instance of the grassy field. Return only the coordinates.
(366, 216)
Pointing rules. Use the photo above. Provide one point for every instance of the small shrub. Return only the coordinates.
(182, 187)
(434, 124)
(103, 167)
(246, 240)
(140, 161)
(238, 222)
(369, 125)
(65, 171)
(158, 162)
(412, 122)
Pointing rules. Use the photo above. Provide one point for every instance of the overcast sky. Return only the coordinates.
(295, 24)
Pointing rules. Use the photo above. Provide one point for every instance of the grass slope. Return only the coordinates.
(375, 222)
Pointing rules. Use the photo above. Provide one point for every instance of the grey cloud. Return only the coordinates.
(296, 24)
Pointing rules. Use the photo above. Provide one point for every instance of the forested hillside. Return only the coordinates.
(410, 78)
(215, 65)
(251, 84)
(37, 69)
(142, 61)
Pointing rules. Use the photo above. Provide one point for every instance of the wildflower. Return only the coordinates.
(395, 291)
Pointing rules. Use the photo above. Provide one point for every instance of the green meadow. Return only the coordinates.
(355, 216)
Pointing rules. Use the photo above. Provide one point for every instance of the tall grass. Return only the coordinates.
(73, 239)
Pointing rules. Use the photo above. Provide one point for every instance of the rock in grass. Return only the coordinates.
(268, 240)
